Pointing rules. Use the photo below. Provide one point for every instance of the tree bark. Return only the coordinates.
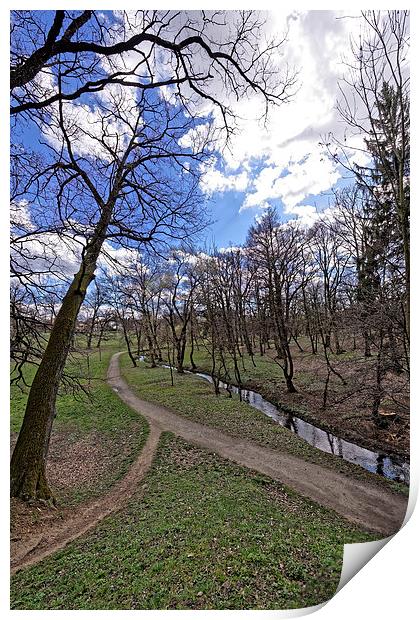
(27, 469)
(28, 478)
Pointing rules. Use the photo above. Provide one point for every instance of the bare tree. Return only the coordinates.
(202, 49)
(179, 284)
(125, 201)
(331, 263)
(278, 252)
(122, 300)
(95, 300)
(120, 179)
(147, 289)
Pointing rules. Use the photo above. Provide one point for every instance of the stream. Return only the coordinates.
(392, 467)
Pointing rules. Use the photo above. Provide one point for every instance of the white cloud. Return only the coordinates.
(20, 217)
(168, 93)
(91, 130)
(306, 214)
(198, 138)
(112, 259)
(284, 160)
(95, 128)
(214, 180)
(310, 176)
(232, 248)
(47, 255)
(281, 161)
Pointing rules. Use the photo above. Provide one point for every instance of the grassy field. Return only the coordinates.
(194, 398)
(205, 534)
(200, 532)
(99, 428)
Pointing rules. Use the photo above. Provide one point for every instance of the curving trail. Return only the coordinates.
(364, 503)
(83, 519)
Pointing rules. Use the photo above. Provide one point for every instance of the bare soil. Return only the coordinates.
(37, 536)
(76, 464)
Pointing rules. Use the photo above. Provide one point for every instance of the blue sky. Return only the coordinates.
(230, 225)
(284, 162)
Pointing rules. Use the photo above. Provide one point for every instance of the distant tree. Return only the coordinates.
(95, 300)
(277, 251)
(146, 277)
(179, 283)
(331, 263)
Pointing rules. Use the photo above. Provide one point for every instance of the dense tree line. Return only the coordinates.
(287, 285)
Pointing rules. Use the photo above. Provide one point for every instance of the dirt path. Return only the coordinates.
(367, 504)
(35, 548)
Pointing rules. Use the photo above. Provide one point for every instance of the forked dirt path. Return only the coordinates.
(33, 549)
(366, 504)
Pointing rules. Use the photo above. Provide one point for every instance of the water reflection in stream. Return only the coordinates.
(391, 467)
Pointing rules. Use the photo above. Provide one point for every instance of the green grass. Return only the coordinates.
(266, 377)
(265, 369)
(194, 398)
(207, 534)
(76, 409)
(121, 431)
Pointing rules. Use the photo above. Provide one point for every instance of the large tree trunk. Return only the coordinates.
(127, 340)
(101, 332)
(27, 469)
(193, 365)
(288, 371)
(151, 349)
(380, 421)
(403, 210)
(366, 340)
(338, 348)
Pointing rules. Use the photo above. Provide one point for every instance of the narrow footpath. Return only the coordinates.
(76, 522)
(366, 504)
